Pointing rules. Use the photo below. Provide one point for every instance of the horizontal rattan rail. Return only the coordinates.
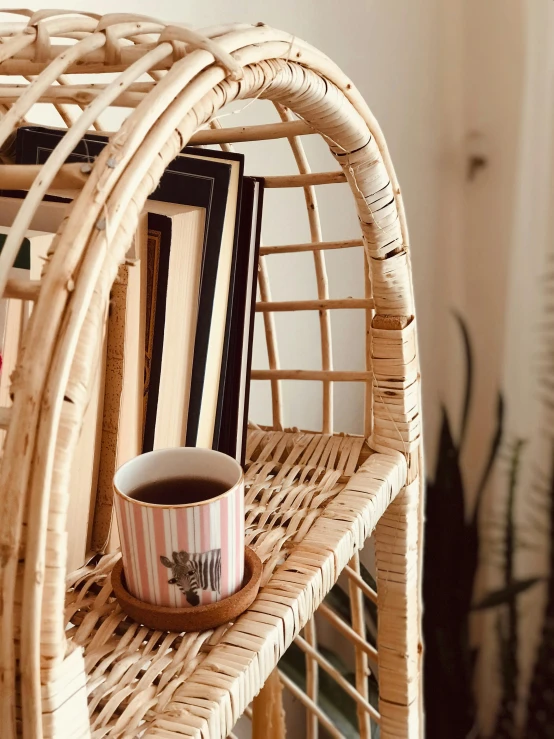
(305, 180)
(294, 305)
(22, 289)
(312, 246)
(264, 132)
(322, 375)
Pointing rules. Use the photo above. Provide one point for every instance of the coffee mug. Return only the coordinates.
(180, 514)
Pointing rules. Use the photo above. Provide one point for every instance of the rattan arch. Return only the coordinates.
(169, 685)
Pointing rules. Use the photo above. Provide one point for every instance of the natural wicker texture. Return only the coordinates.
(310, 505)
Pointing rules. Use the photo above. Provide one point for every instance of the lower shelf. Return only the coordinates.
(309, 508)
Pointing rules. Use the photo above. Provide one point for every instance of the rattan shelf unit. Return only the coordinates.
(71, 664)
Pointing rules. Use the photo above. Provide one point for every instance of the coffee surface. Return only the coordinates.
(179, 491)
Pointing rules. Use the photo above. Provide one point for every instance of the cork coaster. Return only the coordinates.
(191, 618)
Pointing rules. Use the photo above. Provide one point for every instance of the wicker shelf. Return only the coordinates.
(307, 514)
(73, 665)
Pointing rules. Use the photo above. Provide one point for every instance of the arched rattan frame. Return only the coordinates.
(193, 75)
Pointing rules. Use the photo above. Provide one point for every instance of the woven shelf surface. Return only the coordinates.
(309, 507)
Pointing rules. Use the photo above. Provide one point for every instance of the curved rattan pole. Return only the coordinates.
(43, 82)
(47, 432)
(362, 667)
(321, 273)
(14, 534)
(122, 194)
(313, 59)
(24, 216)
(405, 304)
(368, 389)
(257, 50)
(271, 343)
(39, 499)
(394, 711)
(9, 538)
(14, 45)
(404, 613)
(312, 676)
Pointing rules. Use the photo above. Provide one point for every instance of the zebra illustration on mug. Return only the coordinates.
(195, 571)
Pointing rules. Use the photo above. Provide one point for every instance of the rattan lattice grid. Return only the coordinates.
(71, 664)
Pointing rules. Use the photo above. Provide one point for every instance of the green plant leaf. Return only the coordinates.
(493, 453)
(293, 665)
(450, 710)
(468, 356)
(333, 701)
(339, 707)
(373, 687)
(339, 601)
(505, 595)
(540, 706)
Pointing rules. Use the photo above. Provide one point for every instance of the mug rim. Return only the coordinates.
(179, 506)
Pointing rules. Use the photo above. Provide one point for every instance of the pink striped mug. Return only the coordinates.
(181, 554)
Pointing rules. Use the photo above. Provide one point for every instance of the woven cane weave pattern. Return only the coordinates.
(291, 480)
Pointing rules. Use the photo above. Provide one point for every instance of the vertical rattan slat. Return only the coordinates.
(271, 343)
(368, 390)
(362, 666)
(321, 272)
(310, 505)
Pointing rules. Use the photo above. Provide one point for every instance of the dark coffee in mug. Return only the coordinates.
(179, 491)
(180, 515)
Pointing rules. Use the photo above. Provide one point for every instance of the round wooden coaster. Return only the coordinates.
(191, 618)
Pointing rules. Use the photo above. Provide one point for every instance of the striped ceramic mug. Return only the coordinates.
(181, 554)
